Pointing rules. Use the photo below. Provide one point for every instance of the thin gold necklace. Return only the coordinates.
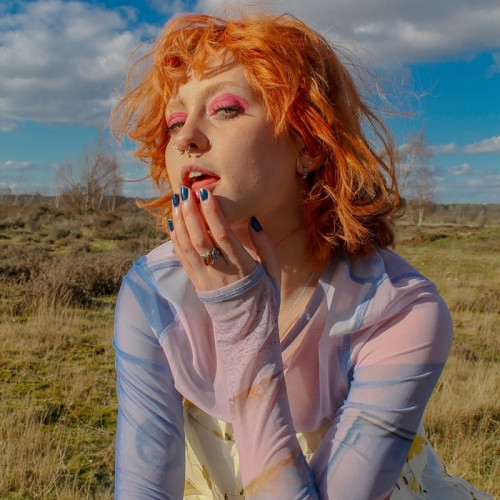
(297, 301)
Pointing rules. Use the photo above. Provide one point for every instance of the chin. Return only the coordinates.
(232, 212)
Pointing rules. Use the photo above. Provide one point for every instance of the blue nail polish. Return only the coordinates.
(255, 224)
(184, 193)
(203, 194)
(170, 225)
(175, 200)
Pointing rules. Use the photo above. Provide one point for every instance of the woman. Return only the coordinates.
(288, 362)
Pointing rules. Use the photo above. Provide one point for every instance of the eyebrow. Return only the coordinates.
(207, 92)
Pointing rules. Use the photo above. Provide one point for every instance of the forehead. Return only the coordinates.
(213, 80)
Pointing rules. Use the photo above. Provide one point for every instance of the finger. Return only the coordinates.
(224, 237)
(176, 227)
(180, 237)
(264, 247)
(200, 242)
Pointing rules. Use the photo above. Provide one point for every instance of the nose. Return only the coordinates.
(190, 139)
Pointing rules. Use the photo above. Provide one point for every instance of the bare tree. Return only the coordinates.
(415, 175)
(86, 182)
(19, 187)
(422, 187)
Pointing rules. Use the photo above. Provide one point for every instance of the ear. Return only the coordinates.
(310, 163)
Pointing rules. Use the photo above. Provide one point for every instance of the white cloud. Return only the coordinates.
(15, 165)
(491, 145)
(8, 126)
(396, 32)
(445, 149)
(462, 169)
(60, 61)
(482, 189)
(466, 169)
(489, 182)
(495, 67)
(167, 7)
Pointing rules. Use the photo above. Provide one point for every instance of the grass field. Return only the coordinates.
(58, 280)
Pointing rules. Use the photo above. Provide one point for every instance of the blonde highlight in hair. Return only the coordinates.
(308, 93)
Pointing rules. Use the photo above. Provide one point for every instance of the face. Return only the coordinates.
(233, 151)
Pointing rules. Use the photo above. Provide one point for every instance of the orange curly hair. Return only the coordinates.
(308, 93)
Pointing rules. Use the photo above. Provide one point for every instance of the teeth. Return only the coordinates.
(194, 173)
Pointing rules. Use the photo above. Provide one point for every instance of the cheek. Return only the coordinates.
(172, 178)
(260, 148)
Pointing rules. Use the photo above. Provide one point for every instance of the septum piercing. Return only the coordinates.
(182, 151)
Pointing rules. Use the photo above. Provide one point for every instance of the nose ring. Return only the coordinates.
(177, 148)
(182, 151)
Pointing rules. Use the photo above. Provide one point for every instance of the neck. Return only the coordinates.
(298, 278)
(290, 247)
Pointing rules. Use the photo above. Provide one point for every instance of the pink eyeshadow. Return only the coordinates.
(227, 100)
(175, 117)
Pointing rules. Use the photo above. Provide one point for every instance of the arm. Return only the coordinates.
(245, 324)
(150, 435)
(394, 371)
(374, 427)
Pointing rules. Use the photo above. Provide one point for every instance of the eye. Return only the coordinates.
(175, 122)
(227, 106)
(230, 111)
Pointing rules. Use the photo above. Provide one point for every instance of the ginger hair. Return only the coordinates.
(308, 93)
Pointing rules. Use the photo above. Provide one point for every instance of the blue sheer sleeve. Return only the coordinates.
(150, 434)
(394, 369)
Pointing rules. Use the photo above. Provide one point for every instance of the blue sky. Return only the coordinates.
(62, 65)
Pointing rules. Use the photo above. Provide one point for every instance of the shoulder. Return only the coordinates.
(160, 273)
(161, 255)
(157, 262)
(383, 266)
(372, 289)
(162, 288)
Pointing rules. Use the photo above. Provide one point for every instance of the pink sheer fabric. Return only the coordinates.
(360, 364)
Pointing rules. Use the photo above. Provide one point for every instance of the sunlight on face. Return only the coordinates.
(232, 148)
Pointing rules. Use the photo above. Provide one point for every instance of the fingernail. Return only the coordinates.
(203, 194)
(170, 224)
(175, 200)
(184, 193)
(255, 224)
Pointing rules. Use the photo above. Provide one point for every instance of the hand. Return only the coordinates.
(191, 239)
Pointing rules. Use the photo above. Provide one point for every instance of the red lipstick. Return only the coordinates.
(196, 177)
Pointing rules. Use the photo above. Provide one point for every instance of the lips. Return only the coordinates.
(196, 177)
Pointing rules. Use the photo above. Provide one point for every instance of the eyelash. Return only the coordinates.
(174, 128)
(229, 112)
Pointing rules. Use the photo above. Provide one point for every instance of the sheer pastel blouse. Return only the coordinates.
(359, 365)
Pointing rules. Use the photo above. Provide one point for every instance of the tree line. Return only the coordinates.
(93, 181)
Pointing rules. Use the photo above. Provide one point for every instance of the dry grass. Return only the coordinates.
(58, 277)
(463, 416)
(58, 405)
